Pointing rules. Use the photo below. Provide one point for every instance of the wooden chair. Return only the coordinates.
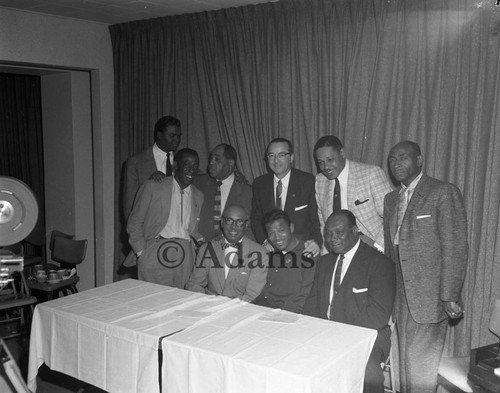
(67, 252)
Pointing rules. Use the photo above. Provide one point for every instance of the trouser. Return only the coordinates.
(167, 262)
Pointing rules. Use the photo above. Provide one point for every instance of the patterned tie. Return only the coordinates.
(337, 204)
(168, 166)
(336, 282)
(279, 190)
(217, 208)
(402, 205)
(234, 245)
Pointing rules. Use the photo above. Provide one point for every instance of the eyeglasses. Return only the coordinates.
(240, 223)
(279, 156)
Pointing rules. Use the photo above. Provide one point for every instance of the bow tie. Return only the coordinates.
(234, 245)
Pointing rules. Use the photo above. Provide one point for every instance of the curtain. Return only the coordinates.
(21, 143)
(372, 72)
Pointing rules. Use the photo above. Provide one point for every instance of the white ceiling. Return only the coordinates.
(119, 11)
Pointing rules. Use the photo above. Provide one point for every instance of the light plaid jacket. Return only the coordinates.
(366, 187)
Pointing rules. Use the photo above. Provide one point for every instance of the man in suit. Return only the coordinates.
(425, 228)
(153, 163)
(220, 188)
(355, 284)
(288, 189)
(351, 185)
(232, 265)
(291, 272)
(163, 220)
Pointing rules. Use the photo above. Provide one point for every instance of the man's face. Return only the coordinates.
(279, 234)
(185, 170)
(330, 161)
(280, 166)
(234, 222)
(404, 162)
(169, 139)
(339, 238)
(219, 167)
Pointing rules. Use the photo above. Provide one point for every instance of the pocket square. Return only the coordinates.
(357, 202)
(423, 216)
(300, 208)
(360, 290)
(244, 273)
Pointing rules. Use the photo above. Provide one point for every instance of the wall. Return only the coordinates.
(39, 41)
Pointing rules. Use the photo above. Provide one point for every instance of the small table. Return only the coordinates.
(49, 289)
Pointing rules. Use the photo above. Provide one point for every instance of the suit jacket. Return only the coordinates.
(432, 247)
(240, 194)
(367, 186)
(366, 294)
(151, 211)
(244, 281)
(138, 169)
(300, 205)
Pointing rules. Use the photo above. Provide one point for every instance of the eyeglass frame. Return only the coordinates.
(240, 222)
(280, 156)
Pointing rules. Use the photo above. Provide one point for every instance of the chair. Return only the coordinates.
(68, 253)
(14, 296)
(11, 380)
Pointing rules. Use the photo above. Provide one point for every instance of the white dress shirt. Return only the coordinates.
(225, 188)
(161, 158)
(345, 266)
(180, 213)
(284, 182)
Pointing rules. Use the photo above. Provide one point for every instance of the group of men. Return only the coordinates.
(341, 245)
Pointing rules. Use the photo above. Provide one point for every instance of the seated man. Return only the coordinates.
(230, 265)
(355, 284)
(291, 271)
(163, 220)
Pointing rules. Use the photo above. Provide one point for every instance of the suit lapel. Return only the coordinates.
(233, 195)
(327, 279)
(352, 181)
(290, 194)
(392, 216)
(166, 198)
(418, 194)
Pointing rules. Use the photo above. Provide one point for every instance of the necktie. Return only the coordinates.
(234, 245)
(279, 190)
(336, 282)
(217, 208)
(337, 205)
(402, 205)
(168, 166)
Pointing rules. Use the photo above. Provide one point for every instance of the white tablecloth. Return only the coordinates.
(110, 336)
(247, 348)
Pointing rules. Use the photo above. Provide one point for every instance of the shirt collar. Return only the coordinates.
(344, 174)
(228, 180)
(157, 150)
(285, 180)
(349, 254)
(413, 184)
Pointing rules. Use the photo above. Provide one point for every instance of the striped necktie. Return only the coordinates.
(279, 191)
(217, 208)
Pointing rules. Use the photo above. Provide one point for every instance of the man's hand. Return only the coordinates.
(157, 176)
(268, 246)
(312, 248)
(453, 309)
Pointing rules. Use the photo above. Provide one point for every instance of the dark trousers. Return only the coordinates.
(374, 377)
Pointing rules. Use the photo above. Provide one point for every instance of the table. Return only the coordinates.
(110, 337)
(49, 289)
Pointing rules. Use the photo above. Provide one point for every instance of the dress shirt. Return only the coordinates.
(161, 158)
(411, 187)
(180, 213)
(285, 181)
(225, 188)
(343, 176)
(231, 252)
(345, 265)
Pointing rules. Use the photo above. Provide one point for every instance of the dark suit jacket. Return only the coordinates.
(244, 282)
(300, 205)
(151, 211)
(366, 294)
(432, 247)
(240, 194)
(138, 169)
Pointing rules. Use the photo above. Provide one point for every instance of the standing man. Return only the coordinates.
(162, 222)
(350, 185)
(425, 227)
(155, 162)
(291, 272)
(220, 188)
(355, 284)
(288, 189)
(232, 265)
